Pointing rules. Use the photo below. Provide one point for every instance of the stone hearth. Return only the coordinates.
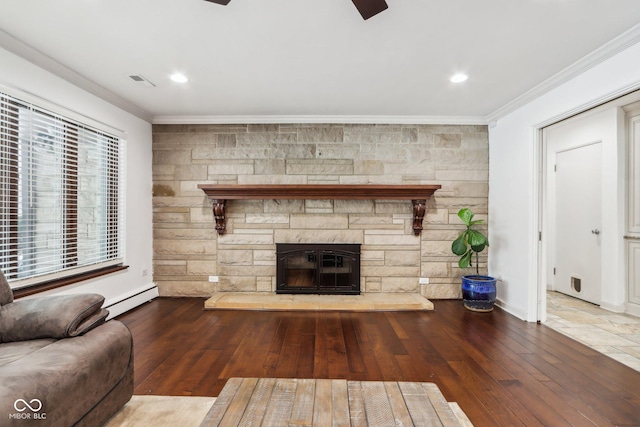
(270, 301)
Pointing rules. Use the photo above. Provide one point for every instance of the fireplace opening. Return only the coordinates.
(318, 268)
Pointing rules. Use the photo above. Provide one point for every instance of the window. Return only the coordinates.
(60, 195)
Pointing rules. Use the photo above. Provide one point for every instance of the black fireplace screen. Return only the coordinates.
(318, 268)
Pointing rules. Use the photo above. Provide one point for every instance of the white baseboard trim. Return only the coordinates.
(613, 307)
(633, 309)
(131, 300)
(516, 311)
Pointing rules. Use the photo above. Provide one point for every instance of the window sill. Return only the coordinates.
(58, 283)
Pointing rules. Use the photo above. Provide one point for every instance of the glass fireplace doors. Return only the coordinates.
(318, 268)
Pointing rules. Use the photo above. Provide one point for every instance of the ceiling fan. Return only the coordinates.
(367, 8)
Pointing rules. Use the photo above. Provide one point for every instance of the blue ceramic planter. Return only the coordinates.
(479, 292)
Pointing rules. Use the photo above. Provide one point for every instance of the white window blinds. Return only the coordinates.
(60, 192)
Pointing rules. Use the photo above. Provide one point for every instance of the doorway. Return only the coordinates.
(583, 207)
(581, 218)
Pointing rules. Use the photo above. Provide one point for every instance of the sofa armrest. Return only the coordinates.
(60, 316)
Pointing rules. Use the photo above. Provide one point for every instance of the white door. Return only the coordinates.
(578, 177)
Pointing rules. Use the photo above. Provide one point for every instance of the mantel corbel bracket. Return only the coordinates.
(219, 206)
(419, 209)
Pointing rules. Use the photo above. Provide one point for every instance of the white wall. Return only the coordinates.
(24, 76)
(514, 164)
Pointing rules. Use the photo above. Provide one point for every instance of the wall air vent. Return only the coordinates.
(142, 80)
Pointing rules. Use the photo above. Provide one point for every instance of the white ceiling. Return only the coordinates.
(317, 59)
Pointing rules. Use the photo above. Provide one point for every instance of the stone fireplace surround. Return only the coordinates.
(189, 255)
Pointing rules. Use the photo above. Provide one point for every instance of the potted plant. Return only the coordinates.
(478, 291)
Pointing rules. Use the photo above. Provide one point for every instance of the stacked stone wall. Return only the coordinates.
(187, 250)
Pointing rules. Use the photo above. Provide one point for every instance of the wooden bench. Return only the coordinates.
(320, 402)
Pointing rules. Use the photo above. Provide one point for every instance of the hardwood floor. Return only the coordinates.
(500, 370)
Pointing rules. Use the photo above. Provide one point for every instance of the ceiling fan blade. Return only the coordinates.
(222, 2)
(369, 8)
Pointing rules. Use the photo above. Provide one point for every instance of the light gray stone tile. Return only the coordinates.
(324, 236)
(409, 134)
(376, 137)
(271, 218)
(260, 139)
(400, 284)
(201, 267)
(230, 167)
(184, 247)
(246, 239)
(321, 134)
(172, 157)
(322, 222)
(353, 207)
(263, 127)
(283, 206)
(164, 172)
(368, 167)
(447, 140)
(190, 172)
(235, 257)
(319, 167)
(169, 268)
(272, 179)
(185, 288)
(402, 258)
(269, 167)
(237, 284)
(371, 179)
(293, 151)
(338, 151)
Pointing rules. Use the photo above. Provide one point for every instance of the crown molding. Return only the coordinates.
(604, 52)
(351, 119)
(28, 53)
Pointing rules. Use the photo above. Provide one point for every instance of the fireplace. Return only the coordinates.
(318, 268)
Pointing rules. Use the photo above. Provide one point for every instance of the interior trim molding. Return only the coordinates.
(339, 119)
(28, 53)
(604, 52)
(619, 98)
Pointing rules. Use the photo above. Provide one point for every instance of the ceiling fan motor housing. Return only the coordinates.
(367, 8)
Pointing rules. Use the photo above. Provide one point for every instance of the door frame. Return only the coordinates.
(537, 293)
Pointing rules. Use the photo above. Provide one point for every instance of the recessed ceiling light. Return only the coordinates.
(179, 78)
(458, 78)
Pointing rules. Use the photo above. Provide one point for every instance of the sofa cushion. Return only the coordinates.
(68, 377)
(13, 351)
(58, 316)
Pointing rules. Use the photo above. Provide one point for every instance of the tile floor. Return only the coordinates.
(614, 334)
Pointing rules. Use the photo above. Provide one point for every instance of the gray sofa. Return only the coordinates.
(61, 363)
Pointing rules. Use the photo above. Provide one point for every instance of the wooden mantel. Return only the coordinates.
(219, 194)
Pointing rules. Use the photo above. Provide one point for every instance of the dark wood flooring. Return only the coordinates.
(501, 371)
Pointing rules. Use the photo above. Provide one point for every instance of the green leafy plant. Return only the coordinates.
(470, 241)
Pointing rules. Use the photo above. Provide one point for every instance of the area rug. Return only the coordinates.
(186, 411)
(162, 411)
